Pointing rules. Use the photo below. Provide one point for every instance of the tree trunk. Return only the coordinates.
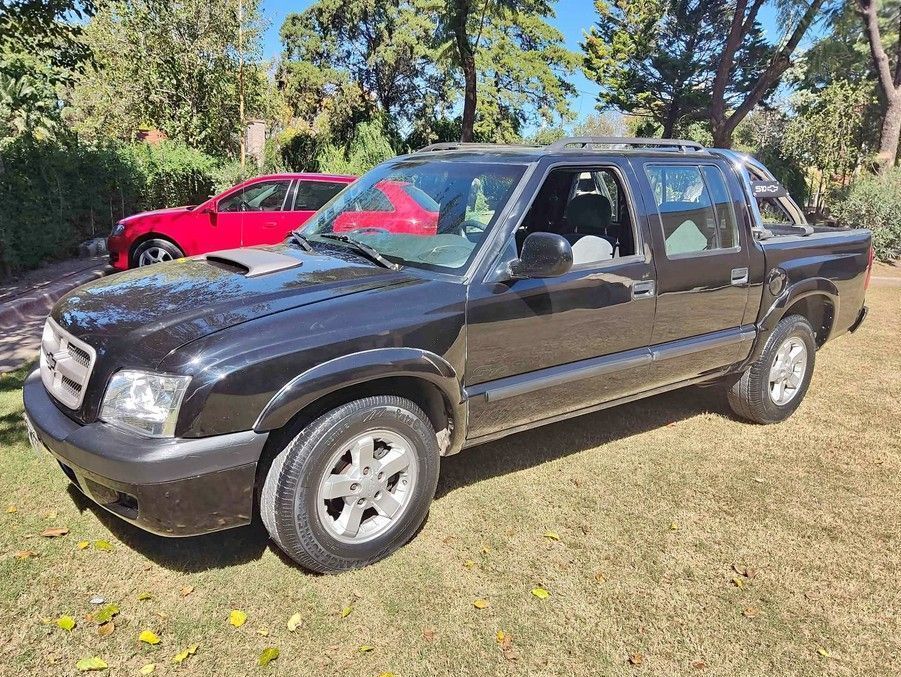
(889, 84)
(468, 64)
(672, 117)
(890, 134)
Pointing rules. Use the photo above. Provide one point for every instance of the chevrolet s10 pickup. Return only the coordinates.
(319, 382)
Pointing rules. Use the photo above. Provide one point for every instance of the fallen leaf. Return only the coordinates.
(481, 603)
(106, 629)
(673, 526)
(486, 549)
(346, 611)
(106, 614)
(824, 652)
(82, 545)
(149, 637)
(263, 632)
(699, 665)
(387, 674)
(182, 655)
(91, 664)
(759, 480)
(636, 659)
(294, 622)
(505, 639)
(742, 570)
(599, 577)
(144, 596)
(54, 532)
(103, 545)
(366, 648)
(97, 599)
(187, 590)
(11, 509)
(66, 622)
(429, 634)
(147, 669)
(270, 653)
(540, 593)
(751, 612)
(552, 535)
(469, 564)
(25, 554)
(738, 582)
(237, 618)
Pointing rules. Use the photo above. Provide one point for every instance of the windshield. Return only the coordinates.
(423, 212)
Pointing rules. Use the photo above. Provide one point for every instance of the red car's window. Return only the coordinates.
(266, 196)
(312, 195)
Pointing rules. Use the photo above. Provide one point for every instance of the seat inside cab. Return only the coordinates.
(587, 207)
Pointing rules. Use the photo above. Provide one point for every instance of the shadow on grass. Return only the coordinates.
(558, 440)
(517, 452)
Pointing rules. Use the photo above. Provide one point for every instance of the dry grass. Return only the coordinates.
(657, 499)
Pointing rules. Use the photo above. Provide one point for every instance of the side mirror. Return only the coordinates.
(210, 209)
(543, 255)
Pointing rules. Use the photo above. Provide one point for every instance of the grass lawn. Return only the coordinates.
(688, 542)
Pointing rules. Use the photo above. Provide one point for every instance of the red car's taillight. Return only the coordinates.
(872, 255)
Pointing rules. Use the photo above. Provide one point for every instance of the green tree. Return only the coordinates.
(826, 133)
(726, 112)
(512, 63)
(368, 147)
(47, 27)
(174, 66)
(656, 59)
(348, 61)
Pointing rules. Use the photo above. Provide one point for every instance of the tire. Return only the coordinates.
(317, 531)
(155, 251)
(756, 396)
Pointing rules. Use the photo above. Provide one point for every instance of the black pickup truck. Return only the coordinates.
(320, 382)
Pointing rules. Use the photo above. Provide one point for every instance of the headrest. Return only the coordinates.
(588, 213)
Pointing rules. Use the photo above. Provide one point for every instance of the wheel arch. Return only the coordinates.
(816, 299)
(144, 237)
(421, 376)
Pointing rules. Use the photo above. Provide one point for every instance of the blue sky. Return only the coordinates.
(574, 18)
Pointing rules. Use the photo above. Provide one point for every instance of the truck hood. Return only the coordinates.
(148, 312)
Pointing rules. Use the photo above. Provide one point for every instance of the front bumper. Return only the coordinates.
(117, 246)
(171, 487)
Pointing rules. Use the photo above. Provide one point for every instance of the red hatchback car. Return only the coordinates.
(262, 210)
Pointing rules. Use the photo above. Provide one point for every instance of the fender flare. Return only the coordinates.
(362, 367)
(813, 286)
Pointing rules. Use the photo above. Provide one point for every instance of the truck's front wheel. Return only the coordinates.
(354, 485)
(774, 385)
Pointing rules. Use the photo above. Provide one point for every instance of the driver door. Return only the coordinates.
(541, 348)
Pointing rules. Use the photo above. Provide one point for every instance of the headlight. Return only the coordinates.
(144, 403)
(118, 229)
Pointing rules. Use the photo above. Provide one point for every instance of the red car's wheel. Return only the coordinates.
(155, 251)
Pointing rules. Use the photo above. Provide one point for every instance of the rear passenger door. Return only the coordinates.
(697, 221)
(309, 198)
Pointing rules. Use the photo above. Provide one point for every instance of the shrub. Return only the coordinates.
(368, 147)
(874, 202)
(55, 194)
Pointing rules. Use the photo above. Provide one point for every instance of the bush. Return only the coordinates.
(55, 194)
(874, 202)
(368, 147)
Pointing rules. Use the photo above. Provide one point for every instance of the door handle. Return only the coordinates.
(739, 276)
(643, 290)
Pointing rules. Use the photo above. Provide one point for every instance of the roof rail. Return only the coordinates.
(462, 145)
(581, 142)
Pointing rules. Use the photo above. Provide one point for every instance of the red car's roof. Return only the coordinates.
(344, 178)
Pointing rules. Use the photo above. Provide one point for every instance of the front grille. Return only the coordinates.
(66, 364)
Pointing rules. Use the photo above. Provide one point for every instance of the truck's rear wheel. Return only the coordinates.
(774, 385)
(354, 485)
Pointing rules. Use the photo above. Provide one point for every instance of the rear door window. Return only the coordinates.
(694, 208)
(312, 195)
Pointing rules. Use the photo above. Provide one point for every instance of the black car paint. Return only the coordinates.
(505, 354)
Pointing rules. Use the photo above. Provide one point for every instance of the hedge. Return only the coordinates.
(874, 202)
(55, 195)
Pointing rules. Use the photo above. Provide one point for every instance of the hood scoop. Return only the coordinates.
(251, 262)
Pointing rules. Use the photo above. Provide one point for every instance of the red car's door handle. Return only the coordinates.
(270, 224)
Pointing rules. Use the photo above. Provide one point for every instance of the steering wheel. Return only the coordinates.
(370, 230)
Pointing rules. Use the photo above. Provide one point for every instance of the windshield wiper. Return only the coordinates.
(301, 240)
(370, 253)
